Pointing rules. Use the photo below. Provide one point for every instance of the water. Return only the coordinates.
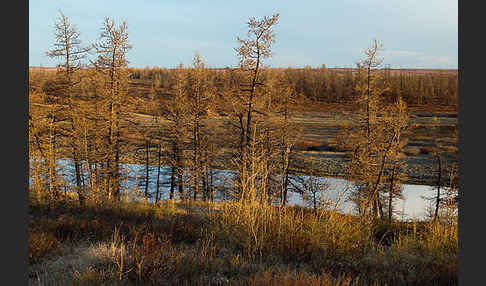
(412, 206)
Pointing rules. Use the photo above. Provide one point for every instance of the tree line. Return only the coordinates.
(335, 85)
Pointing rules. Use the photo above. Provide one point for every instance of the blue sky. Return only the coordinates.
(415, 34)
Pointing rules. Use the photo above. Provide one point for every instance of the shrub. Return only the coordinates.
(41, 243)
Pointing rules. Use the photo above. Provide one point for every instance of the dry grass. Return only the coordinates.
(232, 244)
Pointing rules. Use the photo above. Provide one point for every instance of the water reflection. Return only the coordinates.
(412, 206)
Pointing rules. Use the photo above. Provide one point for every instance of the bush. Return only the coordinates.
(41, 243)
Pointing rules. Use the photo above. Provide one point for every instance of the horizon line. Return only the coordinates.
(289, 67)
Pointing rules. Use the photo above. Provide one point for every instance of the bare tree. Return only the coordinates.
(374, 138)
(111, 62)
(284, 98)
(446, 178)
(251, 53)
(91, 112)
(68, 48)
(252, 156)
(44, 138)
(395, 119)
(198, 103)
(154, 107)
(178, 117)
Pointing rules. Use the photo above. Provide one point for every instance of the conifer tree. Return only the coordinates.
(178, 129)
(198, 104)
(112, 63)
(70, 51)
(252, 157)
(375, 136)
(251, 53)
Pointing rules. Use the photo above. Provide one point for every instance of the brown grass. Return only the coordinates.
(231, 244)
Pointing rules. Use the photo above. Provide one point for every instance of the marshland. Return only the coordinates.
(246, 175)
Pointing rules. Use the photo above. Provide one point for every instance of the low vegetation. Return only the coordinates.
(189, 243)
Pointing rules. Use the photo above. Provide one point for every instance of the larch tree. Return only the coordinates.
(395, 120)
(47, 128)
(284, 98)
(154, 107)
(198, 104)
(112, 63)
(40, 163)
(375, 135)
(362, 138)
(92, 134)
(251, 53)
(178, 129)
(70, 51)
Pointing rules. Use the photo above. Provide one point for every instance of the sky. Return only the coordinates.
(165, 33)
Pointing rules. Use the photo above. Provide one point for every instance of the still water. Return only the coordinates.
(335, 194)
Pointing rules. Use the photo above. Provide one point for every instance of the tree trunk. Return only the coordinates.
(158, 177)
(286, 183)
(196, 155)
(211, 185)
(375, 196)
(205, 183)
(180, 182)
(380, 206)
(285, 175)
(437, 203)
(116, 183)
(53, 190)
(172, 183)
(250, 101)
(146, 168)
(390, 193)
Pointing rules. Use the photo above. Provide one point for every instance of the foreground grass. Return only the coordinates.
(231, 244)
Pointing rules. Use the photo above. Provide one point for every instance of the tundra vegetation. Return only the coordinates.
(172, 227)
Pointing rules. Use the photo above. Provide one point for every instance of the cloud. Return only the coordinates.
(396, 53)
(440, 60)
(418, 59)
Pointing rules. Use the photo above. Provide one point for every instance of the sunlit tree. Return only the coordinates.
(112, 49)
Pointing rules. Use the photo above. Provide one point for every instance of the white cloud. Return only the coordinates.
(418, 59)
(440, 60)
(396, 53)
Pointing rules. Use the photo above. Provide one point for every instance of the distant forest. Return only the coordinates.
(334, 85)
(325, 85)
